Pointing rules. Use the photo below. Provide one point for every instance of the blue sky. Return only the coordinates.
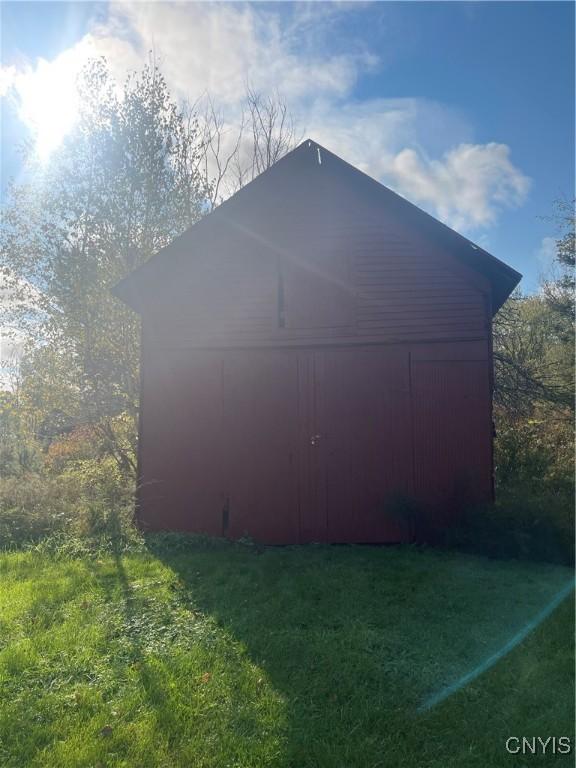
(467, 109)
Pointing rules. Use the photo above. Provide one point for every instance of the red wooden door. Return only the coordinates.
(452, 434)
(260, 438)
(361, 445)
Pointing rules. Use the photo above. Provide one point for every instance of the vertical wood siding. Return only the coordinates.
(312, 444)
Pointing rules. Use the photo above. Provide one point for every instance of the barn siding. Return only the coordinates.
(238, 385)
(311, 444)
(386, 292)
(452, 434)
(260, 442)
(286, 268)
(181, 482)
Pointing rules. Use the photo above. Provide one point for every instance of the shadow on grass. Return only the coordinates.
(136, 652)
(356, 638)
(168, 649)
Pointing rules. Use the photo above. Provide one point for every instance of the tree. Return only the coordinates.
(135, 173)
(534, 335)
(559, 290)
(532, 361)
(233, 155)
(534, 378)
(125, 182)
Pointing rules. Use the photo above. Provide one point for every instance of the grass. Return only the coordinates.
(225, 656)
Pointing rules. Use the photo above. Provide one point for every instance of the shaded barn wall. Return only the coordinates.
(310, 362)
(313, 444)
(307, 416)
(330, 272)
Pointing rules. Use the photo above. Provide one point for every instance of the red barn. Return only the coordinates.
(316, 363)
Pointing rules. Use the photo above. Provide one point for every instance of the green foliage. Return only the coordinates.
(533, 517)
(533, 363)
(523, 524)
(214, 657)
(534, 413)
(534, 338)
(559, 290)
(79, 444)
(124, 183)
(20, 451)
(89, 499)
(537, 452)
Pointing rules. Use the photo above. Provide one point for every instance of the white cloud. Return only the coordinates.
(422, 149)
(370, 131)
(7, 76)
(467, 186)
(47, 98)
(219, 47)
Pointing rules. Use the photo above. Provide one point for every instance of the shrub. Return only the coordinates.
(533, 517)
(90, 499)
(536, 451)
(523, 524)
(78, 445)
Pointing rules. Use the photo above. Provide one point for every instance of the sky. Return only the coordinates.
(466, 109)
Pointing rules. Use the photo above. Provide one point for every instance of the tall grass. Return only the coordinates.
(90, 501)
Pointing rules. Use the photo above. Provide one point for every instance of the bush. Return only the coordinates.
(78, 445)
(534, 452)
(90, 499)
(524, 523)
(533, 517)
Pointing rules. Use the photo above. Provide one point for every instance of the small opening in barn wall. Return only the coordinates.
(281, 300)
(226, 516)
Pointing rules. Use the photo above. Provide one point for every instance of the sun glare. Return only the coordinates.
(49, 100)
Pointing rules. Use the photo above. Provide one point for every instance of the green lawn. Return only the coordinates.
(224, 656)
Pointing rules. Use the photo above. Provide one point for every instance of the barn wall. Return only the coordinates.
(306, 369)
(180, 441)
(315, 352)
(452, 426)
(313, 260)
(367, 282)
(309, 443)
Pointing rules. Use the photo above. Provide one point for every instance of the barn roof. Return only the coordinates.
(290, 177)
